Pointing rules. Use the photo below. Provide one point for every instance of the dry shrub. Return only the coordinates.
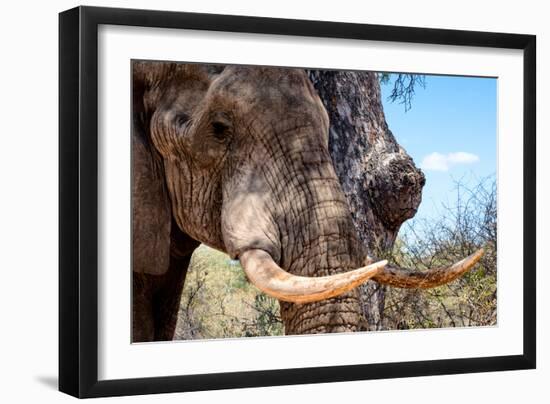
(464, 227)
(219, 302)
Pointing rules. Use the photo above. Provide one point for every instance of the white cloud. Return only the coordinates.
(462, 158)
(441, 162)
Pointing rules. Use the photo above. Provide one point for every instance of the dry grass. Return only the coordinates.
(219, 302)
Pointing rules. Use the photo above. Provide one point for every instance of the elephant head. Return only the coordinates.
(248, 172)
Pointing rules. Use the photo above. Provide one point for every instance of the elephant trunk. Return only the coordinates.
(287, 220)
(322, 242)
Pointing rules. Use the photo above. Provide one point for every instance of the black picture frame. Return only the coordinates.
(78, 201)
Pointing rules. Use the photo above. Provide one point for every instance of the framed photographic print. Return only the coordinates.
(251, 201)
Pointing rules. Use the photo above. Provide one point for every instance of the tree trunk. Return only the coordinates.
(382, 185)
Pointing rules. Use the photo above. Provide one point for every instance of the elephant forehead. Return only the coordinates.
(268, 74)
(255, 80)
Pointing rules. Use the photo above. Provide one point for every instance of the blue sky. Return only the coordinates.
(450, 132)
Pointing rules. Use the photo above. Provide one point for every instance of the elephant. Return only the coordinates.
(237, 158)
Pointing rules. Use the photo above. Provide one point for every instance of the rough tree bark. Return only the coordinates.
(379, 178)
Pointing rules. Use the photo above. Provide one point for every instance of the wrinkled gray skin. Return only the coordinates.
(161, 251)
(243, 165)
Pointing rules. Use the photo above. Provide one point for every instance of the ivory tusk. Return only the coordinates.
(263, 272)
(406, 278)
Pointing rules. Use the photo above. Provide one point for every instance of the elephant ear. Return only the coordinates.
(139, 84)
(149, 79)
(151, 211)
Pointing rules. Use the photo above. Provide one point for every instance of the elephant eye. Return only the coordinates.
(220, 130)
(182, 119)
